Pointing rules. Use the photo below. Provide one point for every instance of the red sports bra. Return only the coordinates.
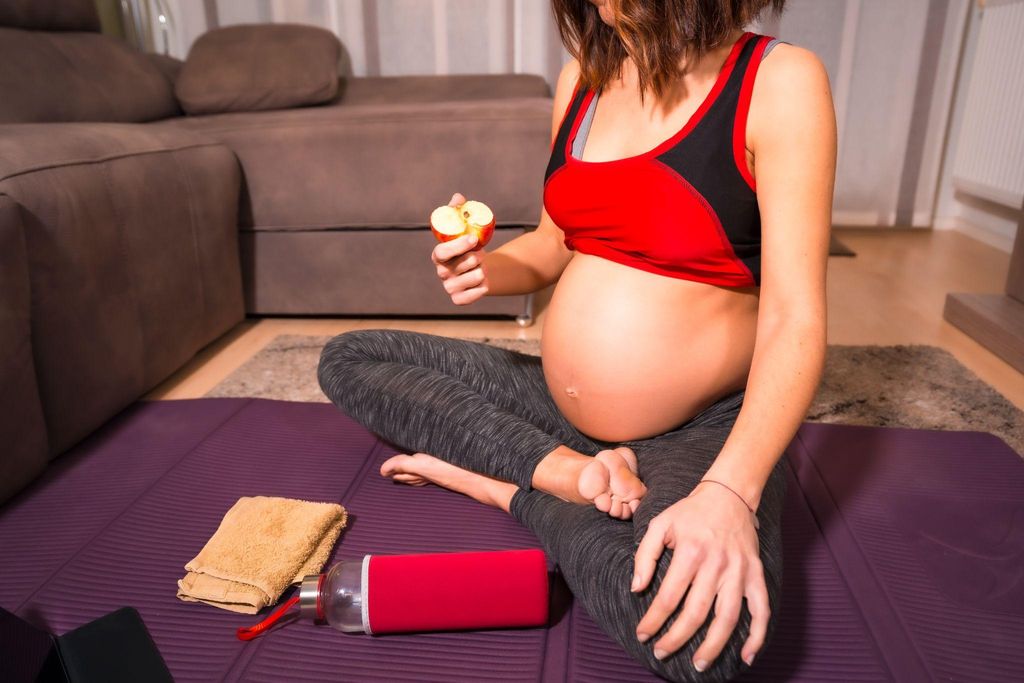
(685, 209)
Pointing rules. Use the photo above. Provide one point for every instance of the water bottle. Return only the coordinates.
(430, 592)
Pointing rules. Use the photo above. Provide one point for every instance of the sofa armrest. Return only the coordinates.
(22, 431)
(132, 246)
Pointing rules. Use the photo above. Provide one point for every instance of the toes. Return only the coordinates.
(622, 480)
(407, 468)
(611, 483)
(615, 510)
(393, 465)
(411, 479)
(614, 506)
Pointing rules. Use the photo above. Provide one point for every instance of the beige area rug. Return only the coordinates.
(917, 386)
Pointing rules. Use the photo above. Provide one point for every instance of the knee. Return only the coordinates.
(726, 666)
(339, 353)
(728, 663)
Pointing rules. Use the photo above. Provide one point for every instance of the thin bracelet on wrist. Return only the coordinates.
(752, 512)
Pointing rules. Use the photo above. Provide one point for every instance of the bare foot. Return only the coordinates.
(611, 483)
(420, 469)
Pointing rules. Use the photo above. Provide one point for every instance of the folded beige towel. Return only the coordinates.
(262, 546)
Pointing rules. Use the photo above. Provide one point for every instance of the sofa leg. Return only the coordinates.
(525, 319)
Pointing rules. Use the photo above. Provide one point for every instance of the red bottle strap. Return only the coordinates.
(250, 632)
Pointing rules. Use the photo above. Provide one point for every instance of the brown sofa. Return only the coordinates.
(336, 197)
(132, 235)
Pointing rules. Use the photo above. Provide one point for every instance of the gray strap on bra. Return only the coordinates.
(772, 43)
(584, 129)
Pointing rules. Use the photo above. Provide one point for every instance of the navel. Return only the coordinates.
(572, 391)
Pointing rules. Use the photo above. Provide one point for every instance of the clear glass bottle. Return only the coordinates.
(336, 596)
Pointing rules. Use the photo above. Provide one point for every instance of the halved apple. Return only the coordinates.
(470, 217)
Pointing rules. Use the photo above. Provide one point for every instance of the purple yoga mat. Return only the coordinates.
(903, 551)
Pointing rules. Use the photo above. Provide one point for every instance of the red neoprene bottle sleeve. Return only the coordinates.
(456, 591)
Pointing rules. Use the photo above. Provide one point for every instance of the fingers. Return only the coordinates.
(461, 274)
(757, 602)
(458, 265)
(464, 282)
(445, 251)
(684, 565)
(727, 614)
(714, 571)
(645, 562)
(468, 296)
(695, 609)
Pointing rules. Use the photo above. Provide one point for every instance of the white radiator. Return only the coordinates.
(990, 151)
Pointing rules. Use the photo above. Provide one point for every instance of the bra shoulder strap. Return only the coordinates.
(565, 127)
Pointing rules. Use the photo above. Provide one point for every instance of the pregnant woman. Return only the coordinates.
(687, 232)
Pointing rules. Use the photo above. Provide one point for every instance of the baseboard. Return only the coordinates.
(999, 240)
(882, 221)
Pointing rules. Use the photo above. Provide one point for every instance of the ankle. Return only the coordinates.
(558, 473)
(501, 496)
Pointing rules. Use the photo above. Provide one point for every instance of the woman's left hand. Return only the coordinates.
(715, 546)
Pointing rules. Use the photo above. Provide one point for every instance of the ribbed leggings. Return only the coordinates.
(488, 410)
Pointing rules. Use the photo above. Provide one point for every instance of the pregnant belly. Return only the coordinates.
(629, 354)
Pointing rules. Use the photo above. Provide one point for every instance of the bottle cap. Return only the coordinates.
(309, 597)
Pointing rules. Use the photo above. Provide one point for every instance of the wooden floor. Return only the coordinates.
(891, 292)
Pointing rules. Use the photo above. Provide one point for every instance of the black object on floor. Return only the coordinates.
(837, 248)
(114, 648)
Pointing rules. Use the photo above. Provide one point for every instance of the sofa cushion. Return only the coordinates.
(52, 76)
(450, 88)
(355, 272)
(23, 453)
(132, 243)
(385, 165)
(259, 66)
(169, 66)
(50, 15)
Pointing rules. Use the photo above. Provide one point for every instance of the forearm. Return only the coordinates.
(788, 362)
(520, 266)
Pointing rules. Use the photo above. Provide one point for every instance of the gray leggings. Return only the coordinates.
(488, 410)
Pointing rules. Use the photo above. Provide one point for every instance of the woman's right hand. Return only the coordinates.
(461, 270)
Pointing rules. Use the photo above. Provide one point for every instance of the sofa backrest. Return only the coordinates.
(55, 66)
(50, 15)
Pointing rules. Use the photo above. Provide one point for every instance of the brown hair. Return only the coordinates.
(656, 34)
